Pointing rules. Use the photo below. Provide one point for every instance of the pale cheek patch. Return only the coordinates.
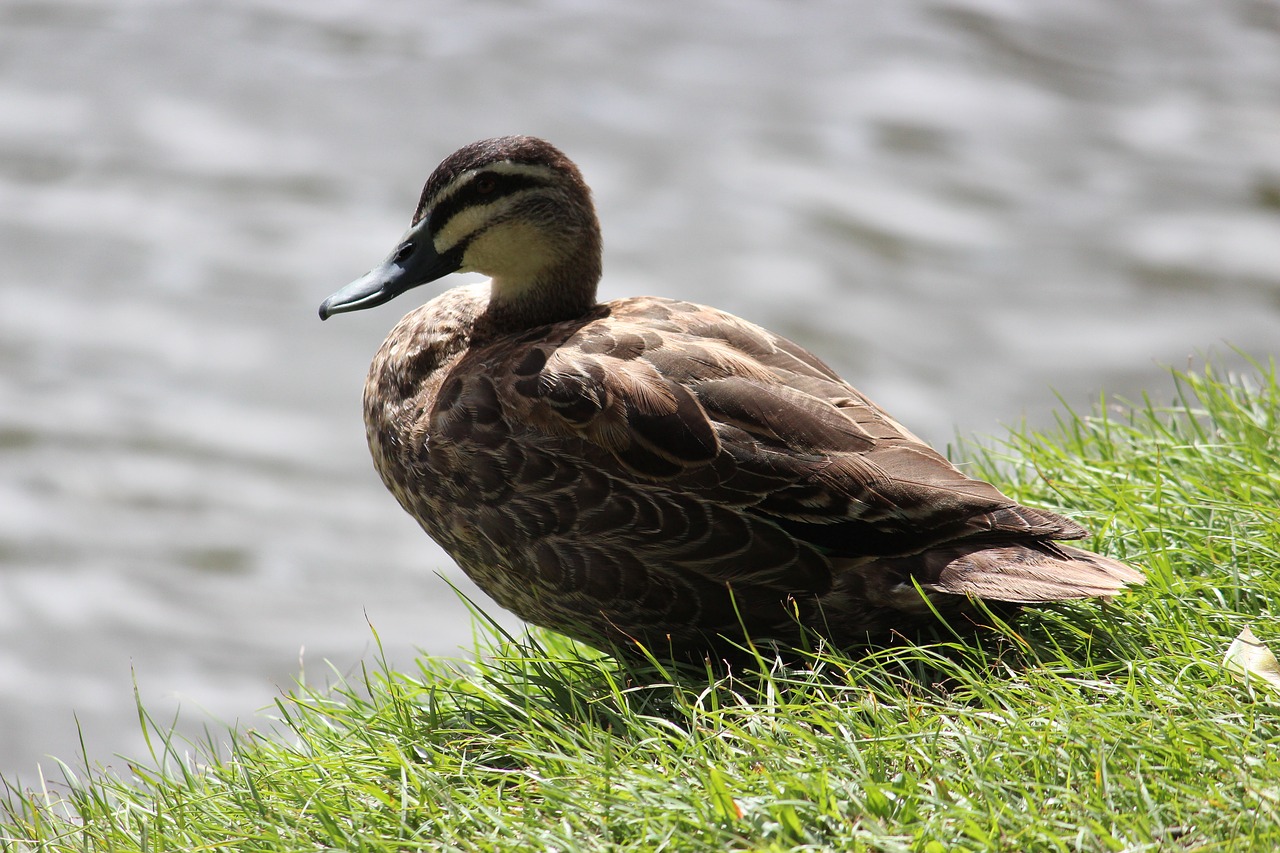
(513, 251)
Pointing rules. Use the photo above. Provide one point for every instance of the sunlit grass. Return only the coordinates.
(1084, 727)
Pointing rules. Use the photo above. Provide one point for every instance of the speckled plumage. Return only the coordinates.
(659, 471)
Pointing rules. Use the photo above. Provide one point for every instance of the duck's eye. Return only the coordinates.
(486, 184)
(402, 254)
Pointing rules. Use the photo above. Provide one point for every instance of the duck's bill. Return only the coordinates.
(415, 261)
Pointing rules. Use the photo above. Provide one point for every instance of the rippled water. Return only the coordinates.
(962, 205)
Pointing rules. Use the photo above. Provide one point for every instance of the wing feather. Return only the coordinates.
(687, 398)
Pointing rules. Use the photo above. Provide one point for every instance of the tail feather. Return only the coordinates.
(1029, 574)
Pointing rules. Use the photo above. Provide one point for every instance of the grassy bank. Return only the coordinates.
(1087, 726)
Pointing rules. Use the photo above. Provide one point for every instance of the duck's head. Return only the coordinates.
(513, 208)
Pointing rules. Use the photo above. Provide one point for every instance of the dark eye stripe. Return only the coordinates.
(469, 195)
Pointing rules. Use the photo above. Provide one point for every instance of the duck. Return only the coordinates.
(652, 476)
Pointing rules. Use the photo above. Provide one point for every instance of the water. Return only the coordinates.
(964, 206)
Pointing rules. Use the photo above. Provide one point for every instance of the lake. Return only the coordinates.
(971, 209)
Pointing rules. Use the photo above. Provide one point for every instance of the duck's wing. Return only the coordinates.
(718, 408)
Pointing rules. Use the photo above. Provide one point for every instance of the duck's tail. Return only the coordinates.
(1034, 573)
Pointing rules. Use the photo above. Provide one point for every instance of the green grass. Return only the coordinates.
(1086, 727)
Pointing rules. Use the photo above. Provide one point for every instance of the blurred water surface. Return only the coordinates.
(964, 206)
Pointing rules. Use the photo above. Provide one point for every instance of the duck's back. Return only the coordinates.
(663, 471)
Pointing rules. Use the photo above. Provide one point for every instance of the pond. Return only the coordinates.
(968, 208)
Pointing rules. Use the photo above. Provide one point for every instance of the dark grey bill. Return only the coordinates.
(414, 262)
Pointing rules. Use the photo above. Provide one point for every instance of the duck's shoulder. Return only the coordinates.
(669, 381)
(689, 329)
(736, 365)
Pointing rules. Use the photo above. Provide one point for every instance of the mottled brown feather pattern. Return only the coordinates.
(586, 489)
(659, 471)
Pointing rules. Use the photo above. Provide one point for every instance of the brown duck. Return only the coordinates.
(659, 472)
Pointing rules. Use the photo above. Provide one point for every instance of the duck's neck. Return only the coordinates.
(563, 292)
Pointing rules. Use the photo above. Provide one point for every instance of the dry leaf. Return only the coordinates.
(1248, 655)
